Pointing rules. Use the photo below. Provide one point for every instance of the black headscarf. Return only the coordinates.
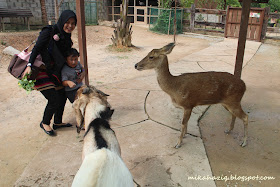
(65, 42)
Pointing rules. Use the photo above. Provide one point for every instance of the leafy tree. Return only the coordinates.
(233, 3)
(182, 3)
(217, 4)
(273, 4)
(123, 32)
(186, 3)
(224, 3)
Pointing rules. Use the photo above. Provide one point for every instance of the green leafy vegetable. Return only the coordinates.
(26, 84)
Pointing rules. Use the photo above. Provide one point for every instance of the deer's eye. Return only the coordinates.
(151, 57)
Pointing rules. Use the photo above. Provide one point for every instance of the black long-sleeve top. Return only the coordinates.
(42, 45)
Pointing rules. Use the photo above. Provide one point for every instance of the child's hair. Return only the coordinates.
(72, 52)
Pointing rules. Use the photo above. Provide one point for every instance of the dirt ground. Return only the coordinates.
(23, 137)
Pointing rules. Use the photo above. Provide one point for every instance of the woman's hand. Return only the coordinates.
(26, 71)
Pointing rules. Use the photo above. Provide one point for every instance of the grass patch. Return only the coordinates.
(122, 57)
(122, 49)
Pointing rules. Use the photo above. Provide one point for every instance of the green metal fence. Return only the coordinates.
(91, 8)
(162, 20)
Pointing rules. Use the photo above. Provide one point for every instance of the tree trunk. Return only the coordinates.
(57, 6)
(44, 12)
(122, 33)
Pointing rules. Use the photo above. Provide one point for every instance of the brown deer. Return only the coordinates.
(192, 89)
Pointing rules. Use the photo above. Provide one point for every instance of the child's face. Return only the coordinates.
(72, 61)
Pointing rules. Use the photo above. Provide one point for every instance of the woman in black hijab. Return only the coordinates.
(52, 44)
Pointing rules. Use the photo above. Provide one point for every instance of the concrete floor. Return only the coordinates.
(147, 143)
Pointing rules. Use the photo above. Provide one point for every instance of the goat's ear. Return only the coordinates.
(76, 104)
(86, 90)
(168, 48)
(101, 93)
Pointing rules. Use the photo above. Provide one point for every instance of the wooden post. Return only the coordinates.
(56, 10)
(150, 17)
(227, 18)
(28, 23)
(175, 21)
(192, 17)
(242, 37)
(2, 24)
(266, 17)
(261, 25)
(169, 21)
(113, 10)
(80, 11)
(135, 11)
(182, 13)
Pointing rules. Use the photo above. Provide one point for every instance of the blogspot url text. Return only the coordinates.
(231, 178)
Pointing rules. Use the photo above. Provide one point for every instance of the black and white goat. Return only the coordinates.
(102, 164)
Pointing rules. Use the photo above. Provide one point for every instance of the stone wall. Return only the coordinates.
(102, 9)
(33, 5)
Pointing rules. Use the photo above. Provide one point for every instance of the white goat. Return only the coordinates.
(102, 165)
(192, 89)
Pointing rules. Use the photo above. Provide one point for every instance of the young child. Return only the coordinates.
(72, 74)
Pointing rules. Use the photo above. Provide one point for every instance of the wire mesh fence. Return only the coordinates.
(163, 20)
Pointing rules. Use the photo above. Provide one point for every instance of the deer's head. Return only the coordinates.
(154, 58)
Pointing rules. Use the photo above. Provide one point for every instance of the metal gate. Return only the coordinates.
(90, 10)
(255, 23)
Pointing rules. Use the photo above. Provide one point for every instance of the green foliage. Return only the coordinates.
(186, 3)
(26, 84)
(166, 3)
(233, 3)
(3, 43)
(162, 23)
(200, 18)
(183, 3)
(273, 4)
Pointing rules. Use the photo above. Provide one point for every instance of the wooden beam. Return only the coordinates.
(242, 37)
(80, 11)
(210, 11)
(206, 11)
(175, 22)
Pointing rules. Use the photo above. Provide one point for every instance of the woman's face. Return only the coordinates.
(69, 26)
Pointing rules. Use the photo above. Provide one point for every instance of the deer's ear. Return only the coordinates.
(168, 48)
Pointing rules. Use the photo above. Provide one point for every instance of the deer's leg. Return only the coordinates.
(232, 120)
(237, 111)
(186, 117)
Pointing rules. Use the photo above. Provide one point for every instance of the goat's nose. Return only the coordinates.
(136, 66)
